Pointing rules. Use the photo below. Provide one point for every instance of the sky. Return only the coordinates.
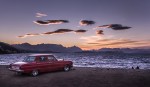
(88, 24)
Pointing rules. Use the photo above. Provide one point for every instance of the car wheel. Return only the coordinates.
(66, 68)
(34, 72)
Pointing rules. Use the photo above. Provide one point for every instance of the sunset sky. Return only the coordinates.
(88, 24)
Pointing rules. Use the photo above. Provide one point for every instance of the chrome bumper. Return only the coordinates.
(15, 70)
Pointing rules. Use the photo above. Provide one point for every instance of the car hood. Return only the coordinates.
(20, 63)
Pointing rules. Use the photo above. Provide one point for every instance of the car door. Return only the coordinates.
(53, 63)
(42, 64)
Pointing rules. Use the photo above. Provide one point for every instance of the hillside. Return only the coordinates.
(6, 48)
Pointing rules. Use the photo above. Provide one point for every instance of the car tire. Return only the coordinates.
(66, 68)
(34, 73)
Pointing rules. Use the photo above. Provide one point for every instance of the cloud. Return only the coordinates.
(48, 33)
(101, 42)
(32, 34)
(29, 34)
(90, 39)
(22, 36)
(59, 31)
(63, 30)
(118, 27)
(99, 32)
(114, 26)
(115, 43)
(86, 22)
(40, 22)
(40, 15)
(48, 22)
(57, 21)
(80, 31)
(104, 26)
(119, 42)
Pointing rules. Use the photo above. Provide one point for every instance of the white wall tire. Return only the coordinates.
(66, 68)
(34, 73)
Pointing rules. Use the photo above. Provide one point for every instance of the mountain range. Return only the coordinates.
(46, 48)
(124, 50)
(43, 48)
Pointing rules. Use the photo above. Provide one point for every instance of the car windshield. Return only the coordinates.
(29, 59)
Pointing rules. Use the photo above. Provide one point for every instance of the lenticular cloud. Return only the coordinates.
(59, 31)
(48, 22)
(86, 22)
(80, 31)
(115, 26)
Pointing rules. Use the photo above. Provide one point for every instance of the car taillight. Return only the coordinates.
(9, 66)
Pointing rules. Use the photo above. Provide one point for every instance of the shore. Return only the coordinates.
(78, 77)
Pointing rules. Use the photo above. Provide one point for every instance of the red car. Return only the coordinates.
(37, 63)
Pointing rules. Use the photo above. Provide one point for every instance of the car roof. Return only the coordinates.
(41, 55)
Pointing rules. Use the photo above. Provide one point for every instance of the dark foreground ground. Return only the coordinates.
(78, 77)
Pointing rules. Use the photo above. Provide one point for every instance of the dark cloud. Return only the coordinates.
(115, 26)
(59, 31)
(121, 28)
(40, 22)
(99, 32)
(58, 21)
(80, 31)
(63, 30)
(48, 22)
(86, 22)
(118, 27)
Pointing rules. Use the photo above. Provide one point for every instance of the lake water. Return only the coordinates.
(102, 60)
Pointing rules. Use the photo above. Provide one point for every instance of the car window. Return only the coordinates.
(51, 58)
(29, 59)
(42, 59)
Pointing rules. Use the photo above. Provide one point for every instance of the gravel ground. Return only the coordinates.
(78, 77)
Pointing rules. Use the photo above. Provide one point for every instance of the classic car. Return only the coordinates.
(38, 63)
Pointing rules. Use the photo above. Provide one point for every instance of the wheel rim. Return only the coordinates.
(66, 68)
(34, 72)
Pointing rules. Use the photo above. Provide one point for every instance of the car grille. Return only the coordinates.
(15, 67)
